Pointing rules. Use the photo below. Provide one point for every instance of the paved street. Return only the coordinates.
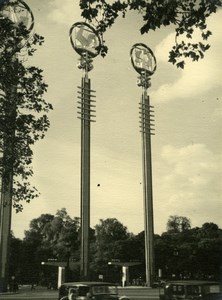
(43, 294)
(140, 293)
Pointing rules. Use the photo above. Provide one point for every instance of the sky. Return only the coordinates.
(186, 147)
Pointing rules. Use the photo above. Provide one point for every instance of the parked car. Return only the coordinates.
(89, 291)
(191, 289)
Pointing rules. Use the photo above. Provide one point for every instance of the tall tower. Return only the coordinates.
(144, 63)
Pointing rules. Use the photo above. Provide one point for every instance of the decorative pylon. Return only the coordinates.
(86, 96)
(86, 43)
(144, 63)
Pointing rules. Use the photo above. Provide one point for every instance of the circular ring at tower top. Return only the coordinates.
(84, 39)
(18, 12)
(143, 59)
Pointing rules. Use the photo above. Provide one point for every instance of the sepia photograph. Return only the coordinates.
(110, 149)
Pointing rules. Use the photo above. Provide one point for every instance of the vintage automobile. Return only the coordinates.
(89, 291)
(192, 290)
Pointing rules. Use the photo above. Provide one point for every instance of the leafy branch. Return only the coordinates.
(186, 17)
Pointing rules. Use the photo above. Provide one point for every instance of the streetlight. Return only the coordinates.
(86, 42)
(18, 13)
(144, 62)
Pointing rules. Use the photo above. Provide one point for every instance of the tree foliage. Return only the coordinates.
(109, 232)
(193, 253)
(61, 231)
(177, 224)
(23, 110)
(50, 237)
(112, 243)
(186, 17)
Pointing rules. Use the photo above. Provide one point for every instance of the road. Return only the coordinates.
(140, 293)
(134, 293)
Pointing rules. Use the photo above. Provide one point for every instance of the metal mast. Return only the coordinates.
(86, 43)
(144, 63)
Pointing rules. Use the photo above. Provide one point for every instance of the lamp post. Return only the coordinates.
(87, 44)
(18, 13)
(144, 63)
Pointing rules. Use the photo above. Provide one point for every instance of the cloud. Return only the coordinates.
(191, 184)
(65, 12)
(198, 77)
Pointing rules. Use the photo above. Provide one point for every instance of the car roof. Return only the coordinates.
(193, 282)
(86, 283)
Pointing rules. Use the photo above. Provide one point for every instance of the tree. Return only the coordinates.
(178, 224)
(46, 239)
(23, 110)
(60, 231)
(23, 121)
(193, 253)
(210, 230)
(34, 251)
(186, 17)
(208, 252)
(110, 235)
(36, 227)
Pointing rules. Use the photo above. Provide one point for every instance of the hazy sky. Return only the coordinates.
(186, 149)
